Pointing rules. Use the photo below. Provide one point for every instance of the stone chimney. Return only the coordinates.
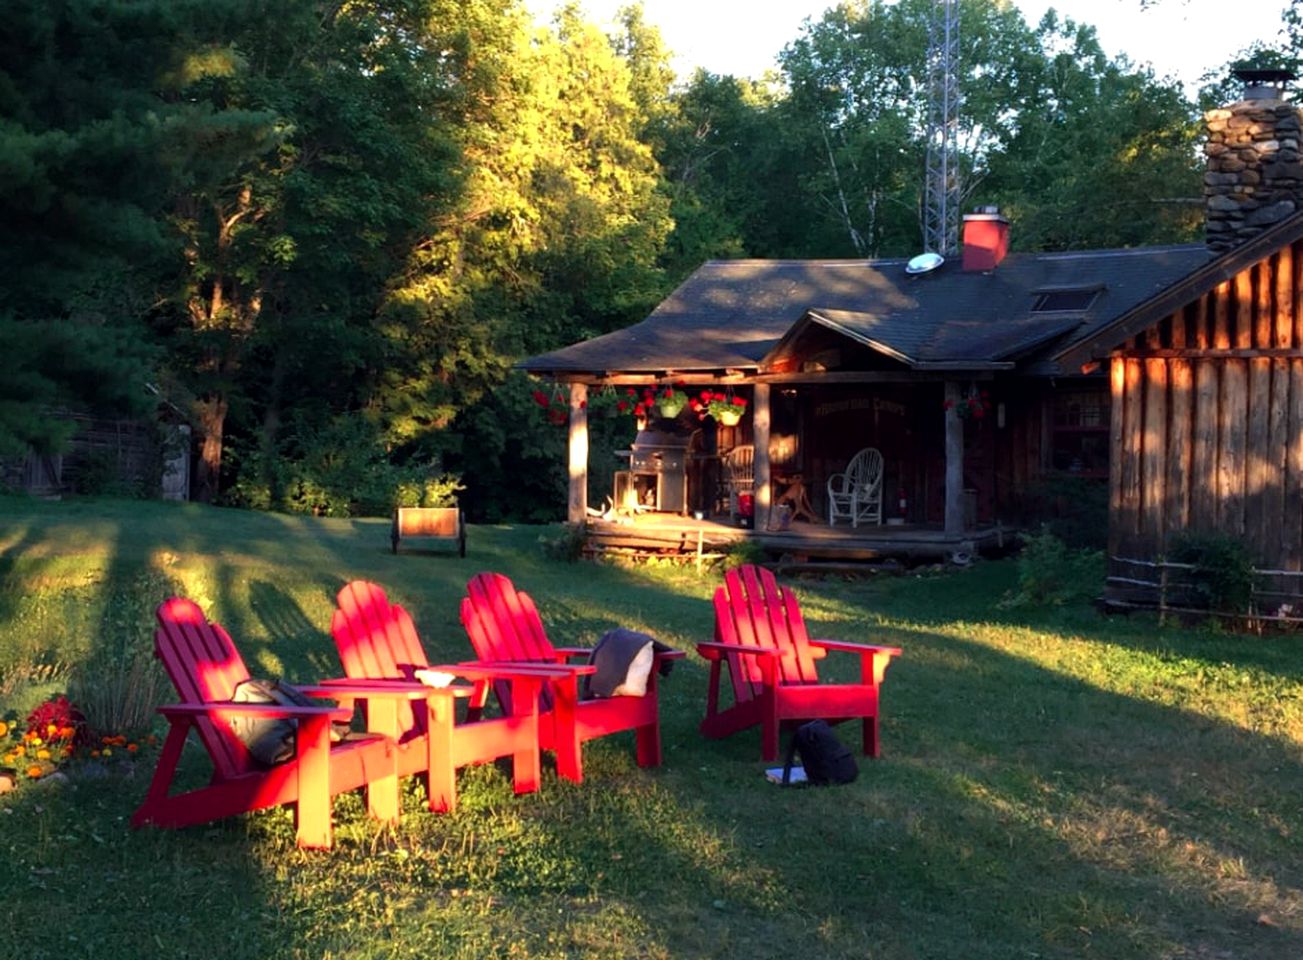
(1254, 177)
(986, 238)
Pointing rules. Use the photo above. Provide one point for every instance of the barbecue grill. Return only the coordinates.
(658, 469)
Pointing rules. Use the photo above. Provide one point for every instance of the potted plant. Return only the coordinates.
(724, 407)
(671, 401)
(974, 406)
(556, 407)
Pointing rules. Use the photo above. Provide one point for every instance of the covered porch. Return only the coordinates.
(946, 477)
(672, 534)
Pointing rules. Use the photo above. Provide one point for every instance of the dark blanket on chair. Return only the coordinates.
(613, 656)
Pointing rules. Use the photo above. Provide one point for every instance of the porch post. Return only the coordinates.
(954, 462)
(577, 513)
(760, 431)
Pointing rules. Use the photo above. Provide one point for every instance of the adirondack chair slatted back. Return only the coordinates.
(377, 640)
(503, 624)
(752, 610)
(205, 667)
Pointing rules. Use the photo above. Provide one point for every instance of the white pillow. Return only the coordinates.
(635, 681)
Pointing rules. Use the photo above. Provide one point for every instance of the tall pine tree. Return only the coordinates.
(92, 141)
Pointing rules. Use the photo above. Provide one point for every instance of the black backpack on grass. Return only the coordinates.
(826, 759)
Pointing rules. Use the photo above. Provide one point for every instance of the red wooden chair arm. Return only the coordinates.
(873, 659)
(507, 671)
(269, 711)
(718, 651)
(768, 658)
(565, 653)
(373, 689)
(553, 671)
(670, 655)
(855, 647)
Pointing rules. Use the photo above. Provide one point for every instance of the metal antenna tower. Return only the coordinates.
(941, 187)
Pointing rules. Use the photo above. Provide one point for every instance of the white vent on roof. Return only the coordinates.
(924, 263)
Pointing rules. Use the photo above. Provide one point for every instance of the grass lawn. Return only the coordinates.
(1053, 784)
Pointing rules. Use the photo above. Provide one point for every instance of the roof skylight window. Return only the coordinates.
(1074, 300)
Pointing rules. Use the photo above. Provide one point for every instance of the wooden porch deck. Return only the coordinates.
(673, 534)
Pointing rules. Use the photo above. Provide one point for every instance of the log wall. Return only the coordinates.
(1207, 431)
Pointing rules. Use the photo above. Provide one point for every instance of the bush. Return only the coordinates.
(1222, 579)
(565, 543)
(743, 552)
(1050, 573)
(120, 684)
(440, 491)
(338, 470)
(1074, 509)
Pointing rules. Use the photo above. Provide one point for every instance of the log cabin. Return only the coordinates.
(1173, 374)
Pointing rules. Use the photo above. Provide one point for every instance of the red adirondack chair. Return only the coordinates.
(205, 668)
(504, 627)
(760, 635)
(377, 642)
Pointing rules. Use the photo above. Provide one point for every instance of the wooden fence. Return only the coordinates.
(1170, 588)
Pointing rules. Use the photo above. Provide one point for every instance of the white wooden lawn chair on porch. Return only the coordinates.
(856, 493)
(739, 474)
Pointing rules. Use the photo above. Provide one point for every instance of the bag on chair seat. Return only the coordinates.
(272, 741)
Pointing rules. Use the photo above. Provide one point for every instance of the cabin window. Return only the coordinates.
(1079, 444)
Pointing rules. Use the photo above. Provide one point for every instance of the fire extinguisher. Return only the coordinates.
(903, 506)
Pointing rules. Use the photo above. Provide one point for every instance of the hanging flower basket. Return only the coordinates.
(726, 409)
(671, 401)
(605, 403)
(556, 407)
(975, 406)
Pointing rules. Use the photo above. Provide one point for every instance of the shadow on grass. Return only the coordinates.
(1019, 810)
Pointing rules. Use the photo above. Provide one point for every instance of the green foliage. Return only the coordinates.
(337, 469)
(743, 552)
(121, 683)
(1223, 577)
(302, 214)
(563, 542)
(1050, 573)
(1103, 153)
(1077, 506)
(93, 139)
(435, 491)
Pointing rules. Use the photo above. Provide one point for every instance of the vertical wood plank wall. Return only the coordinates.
(1207, 431)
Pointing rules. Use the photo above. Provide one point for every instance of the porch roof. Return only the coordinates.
(730, 315)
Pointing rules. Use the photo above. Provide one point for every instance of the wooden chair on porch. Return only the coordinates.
(739, 474)
(856, 492)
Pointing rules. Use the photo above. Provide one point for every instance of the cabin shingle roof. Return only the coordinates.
(730, 313)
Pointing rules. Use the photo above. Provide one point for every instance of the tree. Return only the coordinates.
(555, 239)
(717, 155)
(93, 136)
(290, 250)
(857, 113)
(1102, 154)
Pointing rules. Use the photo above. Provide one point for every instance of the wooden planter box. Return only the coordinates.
(435, 523)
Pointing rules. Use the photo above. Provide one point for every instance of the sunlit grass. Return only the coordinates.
(1054, 784)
